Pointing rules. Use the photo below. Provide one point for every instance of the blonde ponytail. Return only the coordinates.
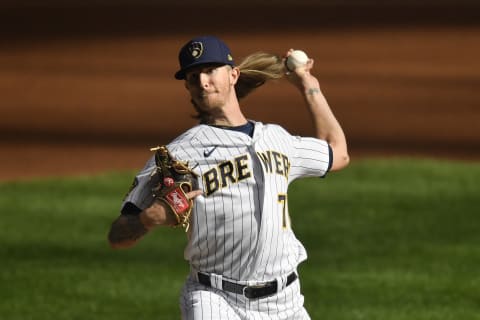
(255, 70)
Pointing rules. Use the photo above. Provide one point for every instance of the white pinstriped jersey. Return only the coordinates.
(240, 226)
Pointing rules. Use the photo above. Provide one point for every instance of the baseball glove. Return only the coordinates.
(172, 180)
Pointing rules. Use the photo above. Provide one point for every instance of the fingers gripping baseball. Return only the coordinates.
(298, 67)
(297, 61)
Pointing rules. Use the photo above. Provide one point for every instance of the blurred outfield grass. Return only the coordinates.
(387, 239)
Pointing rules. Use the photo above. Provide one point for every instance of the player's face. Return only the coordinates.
(211, 86)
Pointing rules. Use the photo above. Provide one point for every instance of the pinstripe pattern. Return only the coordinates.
(240, 226)
(141, 194)
(198, 302)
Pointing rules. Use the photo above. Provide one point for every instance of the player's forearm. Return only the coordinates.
(125, 231)
(158, 214)
(326, 125)
(128, 229)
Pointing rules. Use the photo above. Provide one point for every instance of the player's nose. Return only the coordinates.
(204, 80)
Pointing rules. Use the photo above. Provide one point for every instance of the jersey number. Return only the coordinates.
(282, 199)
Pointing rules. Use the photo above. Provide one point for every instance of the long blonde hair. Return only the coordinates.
(255, 69)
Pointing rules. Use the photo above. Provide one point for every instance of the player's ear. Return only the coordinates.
(235, 74)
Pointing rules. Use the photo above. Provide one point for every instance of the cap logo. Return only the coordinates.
(196, 49)
(229, 57)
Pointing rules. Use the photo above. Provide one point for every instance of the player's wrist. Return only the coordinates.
(312, 91)
(146, 220)
(157, 215)
(309, 82)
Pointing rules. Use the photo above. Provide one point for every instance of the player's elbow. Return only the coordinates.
(341, 159)
(341, 162)
(114, 244)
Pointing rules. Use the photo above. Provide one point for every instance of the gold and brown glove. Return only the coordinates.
(173, 179)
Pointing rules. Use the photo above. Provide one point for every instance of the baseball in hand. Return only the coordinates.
(296, 59)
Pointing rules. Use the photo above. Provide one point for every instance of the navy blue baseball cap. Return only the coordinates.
(203, 50)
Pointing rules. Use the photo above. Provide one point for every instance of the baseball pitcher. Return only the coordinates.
(225, 182)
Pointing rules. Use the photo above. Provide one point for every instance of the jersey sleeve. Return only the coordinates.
(140, 193)
(311, 157)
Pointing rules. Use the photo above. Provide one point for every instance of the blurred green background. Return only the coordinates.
(387, 239)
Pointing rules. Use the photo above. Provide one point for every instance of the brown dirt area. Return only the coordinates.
(83, 105)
